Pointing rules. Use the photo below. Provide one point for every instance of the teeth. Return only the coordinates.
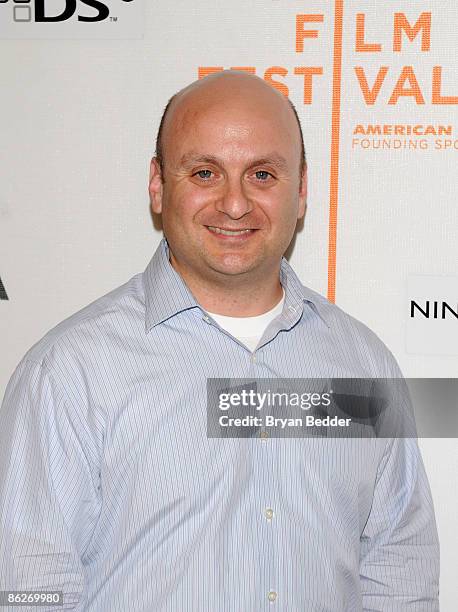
(218, 230)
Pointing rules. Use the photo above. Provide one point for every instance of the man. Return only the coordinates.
(111, 490)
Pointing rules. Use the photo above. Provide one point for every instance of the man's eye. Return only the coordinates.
(262, 175)
(204, 174)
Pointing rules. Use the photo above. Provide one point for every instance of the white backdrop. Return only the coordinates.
(79, 114)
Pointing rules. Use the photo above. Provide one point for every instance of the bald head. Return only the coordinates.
(225, 89)
(230, 194)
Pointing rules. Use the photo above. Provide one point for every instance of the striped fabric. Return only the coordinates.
(111, 491)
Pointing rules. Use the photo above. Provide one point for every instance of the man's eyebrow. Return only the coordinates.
(273, 159)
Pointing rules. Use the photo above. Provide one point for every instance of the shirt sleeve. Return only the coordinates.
(399, 562)
(49, 498)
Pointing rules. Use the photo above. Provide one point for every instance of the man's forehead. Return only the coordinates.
(235, 122)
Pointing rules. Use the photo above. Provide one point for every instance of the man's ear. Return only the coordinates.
(303, 193)
(155, 186)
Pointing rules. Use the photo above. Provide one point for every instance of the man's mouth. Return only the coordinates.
(228, 232)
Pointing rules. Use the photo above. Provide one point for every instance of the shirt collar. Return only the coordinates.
(166, 293)
(297, 294)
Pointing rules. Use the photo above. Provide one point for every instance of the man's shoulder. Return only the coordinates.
(353, 334)
(339, 319)
(110, 314)
(344, 326)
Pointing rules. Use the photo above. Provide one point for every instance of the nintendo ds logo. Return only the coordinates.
(72, 18)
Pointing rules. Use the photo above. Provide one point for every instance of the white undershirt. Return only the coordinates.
(249, 330)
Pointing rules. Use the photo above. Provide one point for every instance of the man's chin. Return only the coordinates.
(233, 266)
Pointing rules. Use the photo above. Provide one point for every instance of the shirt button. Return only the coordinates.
(206, 318)
(272, 596)
(253, 357)
(263, 435)
(269, 513)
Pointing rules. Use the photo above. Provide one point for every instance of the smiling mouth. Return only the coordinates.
(227, 232)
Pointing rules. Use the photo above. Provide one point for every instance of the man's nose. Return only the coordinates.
(234, 200)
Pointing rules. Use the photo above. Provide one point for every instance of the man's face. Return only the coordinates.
(231, 165)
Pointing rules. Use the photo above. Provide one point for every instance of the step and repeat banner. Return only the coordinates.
(375, 85)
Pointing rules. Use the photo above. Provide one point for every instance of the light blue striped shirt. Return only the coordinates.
(111, 491)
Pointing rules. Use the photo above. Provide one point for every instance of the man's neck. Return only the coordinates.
(247, 297)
